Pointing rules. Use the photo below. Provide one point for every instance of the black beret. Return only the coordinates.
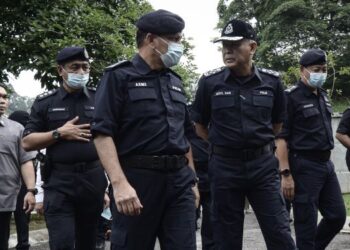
(72, 53)
(313, 57)
(20, 116)
(161, 22)
(236, 30)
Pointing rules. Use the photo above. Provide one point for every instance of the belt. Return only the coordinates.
(314, 155)
(154, 162)
(243, 154)
(200, 165)
(79, 167)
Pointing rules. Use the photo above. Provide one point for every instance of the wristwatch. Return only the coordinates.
(56, 135)
(285, 172)
(34, 191)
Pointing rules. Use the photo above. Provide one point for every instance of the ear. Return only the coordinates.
(149, 38)
(253, 47)
(60, 70)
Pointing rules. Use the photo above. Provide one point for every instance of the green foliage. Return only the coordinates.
(287, 28)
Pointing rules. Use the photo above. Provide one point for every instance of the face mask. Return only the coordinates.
(173, 55)
(77, 81)
(317, 80)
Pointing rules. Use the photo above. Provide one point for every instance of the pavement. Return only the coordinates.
(253, 239)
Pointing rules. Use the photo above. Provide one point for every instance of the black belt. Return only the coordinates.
(243, 154)
(199, 165)
(314, 155)
(79, 167)
(154, 162)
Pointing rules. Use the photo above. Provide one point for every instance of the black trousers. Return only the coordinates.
(5, 218)
(73, 203)
(206, 227)
(168, 212)
(22, 221)
(316, 188)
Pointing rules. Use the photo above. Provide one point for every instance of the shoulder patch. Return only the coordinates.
(92, 88)
(269, 72)
(291, 89)
(213, 71)
(117, 65)
(46, 94)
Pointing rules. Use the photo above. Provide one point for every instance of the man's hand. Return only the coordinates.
(71, 131)
(196, 194)
(126, 199)
(29, 202)
(106, 201)
(39, 208)
(287, 185)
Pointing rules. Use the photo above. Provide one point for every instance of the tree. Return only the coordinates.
(287, 28)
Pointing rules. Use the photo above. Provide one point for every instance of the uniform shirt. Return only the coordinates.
(240, 111)
(308, 125)
(12, 156)
(344, 128)
(143, 110)
(52, 110)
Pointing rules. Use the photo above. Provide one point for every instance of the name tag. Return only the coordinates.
(176, 88)
(262, 92)
(308, 106)
(223, 93)
(58, 109)
(141, 84)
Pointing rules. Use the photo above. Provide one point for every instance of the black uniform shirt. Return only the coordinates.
(344, 128)
(52, 110)
(143, 110)
(308, 125)
(240, 111)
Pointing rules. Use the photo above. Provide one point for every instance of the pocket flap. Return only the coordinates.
(310, 112)
(136, 94)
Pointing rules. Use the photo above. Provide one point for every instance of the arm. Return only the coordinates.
(277, 127)
(343, 139)
(27, 171)
(125, 195)
(202, 131)
(344, 129)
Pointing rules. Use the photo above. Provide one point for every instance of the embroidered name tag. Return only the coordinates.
(176, 88)
(223, 93)
(58, 109)
(141, 84)
(308, 106)
(262, 92)
(89, 107)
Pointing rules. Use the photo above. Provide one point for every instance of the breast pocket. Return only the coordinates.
(263, 99)
(142, 100)
(310, 112)
(8, 144)
(179, 100)
(57, 117)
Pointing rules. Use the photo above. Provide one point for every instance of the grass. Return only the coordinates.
(339, 105)
(347, 203)
(36, 222)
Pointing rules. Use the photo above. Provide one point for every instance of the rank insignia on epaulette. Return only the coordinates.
(92, 88)
(46, 94)
(291, 89)
(116, 65)
(213, 71)
(270, 72)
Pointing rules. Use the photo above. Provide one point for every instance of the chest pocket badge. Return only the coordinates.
(89, 110)
(58, 113)
(223, 99)
(177, 94)
(263, 98)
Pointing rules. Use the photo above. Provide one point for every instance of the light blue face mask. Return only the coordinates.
(77, 81)
(317, 80)
(173, 55)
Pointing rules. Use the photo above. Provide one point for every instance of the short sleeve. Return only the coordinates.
(36, 119)
(344, 125)
(201, 110)
(108, 103)
(279, 107)
(24, 156)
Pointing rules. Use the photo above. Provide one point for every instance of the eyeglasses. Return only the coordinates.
(4, 96)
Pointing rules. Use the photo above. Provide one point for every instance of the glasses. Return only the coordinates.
(4, 96)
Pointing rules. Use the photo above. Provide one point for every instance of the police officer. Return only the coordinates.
(307, 134)
(59, 121)
(200, 153)
(140, 128)
(245, 108)
(343, 134)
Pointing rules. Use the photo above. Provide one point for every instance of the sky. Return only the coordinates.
(200, 18)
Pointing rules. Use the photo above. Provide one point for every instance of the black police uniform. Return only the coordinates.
(308, 132)
(200, 157)
(344, 128)
(241, 112)
(145, 112)
(73, 195)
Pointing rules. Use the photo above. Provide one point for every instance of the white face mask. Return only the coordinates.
(173, 55)
(316, 80)
(77, 81)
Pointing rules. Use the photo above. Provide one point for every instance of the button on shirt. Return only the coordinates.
(239, 111)
(53, 111)
(12, 156)
(143, 110)
(308, 125)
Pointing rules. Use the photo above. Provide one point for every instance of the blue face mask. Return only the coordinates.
(317, 80)
(173, 55)
(77, 81)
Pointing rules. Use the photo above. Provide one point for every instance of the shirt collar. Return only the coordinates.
(63, 92)
(305, 89)
(141, 66)
(228, 73)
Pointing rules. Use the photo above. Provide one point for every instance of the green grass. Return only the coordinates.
(347, 203)
(339, 105)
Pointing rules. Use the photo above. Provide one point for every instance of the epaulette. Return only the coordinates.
(46, 94)
(213, 71)
(117, 65)
(176, 74)
(291, 89)
(324, 90)
(269, 72)
(92, 88)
